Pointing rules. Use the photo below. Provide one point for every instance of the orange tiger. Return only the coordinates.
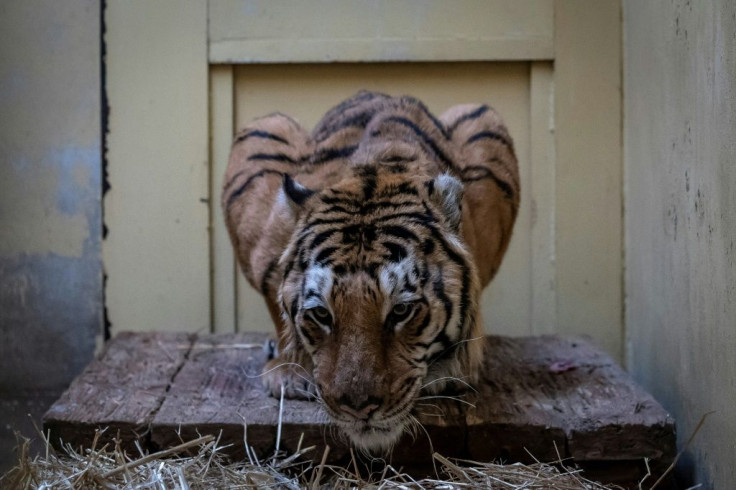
(371, 240)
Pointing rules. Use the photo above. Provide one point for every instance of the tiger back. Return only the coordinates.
(371, 240)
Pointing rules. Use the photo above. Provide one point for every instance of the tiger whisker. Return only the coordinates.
(452, 378)
(416, 421)
(430, 414)
(307, 379)
(462, 341)
(454, 398)
(279, 366)
(440, 411)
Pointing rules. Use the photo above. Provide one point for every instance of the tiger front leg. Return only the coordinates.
(291, 371)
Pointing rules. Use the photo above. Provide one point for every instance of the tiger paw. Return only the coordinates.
(296, 381)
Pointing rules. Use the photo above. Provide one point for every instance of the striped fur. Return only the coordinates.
(371, 240)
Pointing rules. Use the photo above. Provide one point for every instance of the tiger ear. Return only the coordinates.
(294, 194)
(447, 192)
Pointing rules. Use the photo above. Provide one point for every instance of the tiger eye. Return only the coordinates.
(401, 309)
(321, 313)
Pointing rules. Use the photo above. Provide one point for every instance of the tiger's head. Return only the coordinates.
(381, 292)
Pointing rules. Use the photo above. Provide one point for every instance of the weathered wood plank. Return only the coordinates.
(120, 391)
(219, 390)
(541, 397)
(574, 394)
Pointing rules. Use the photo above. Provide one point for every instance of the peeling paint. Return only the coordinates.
(75, 166)
(50, 205)
(50, 231)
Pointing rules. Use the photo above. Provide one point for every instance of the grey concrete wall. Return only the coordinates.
(50, 215)
(680, 201)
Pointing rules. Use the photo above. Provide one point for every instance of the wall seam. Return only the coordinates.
(105, 127)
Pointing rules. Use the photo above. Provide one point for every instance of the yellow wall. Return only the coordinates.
(680, 167)
(170, 63)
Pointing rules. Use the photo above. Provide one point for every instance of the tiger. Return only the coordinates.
(371, 239)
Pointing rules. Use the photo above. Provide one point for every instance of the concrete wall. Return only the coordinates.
(50, 215)
(680, 173)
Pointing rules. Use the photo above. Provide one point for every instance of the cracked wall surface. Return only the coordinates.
(50, 229)
(680, 168)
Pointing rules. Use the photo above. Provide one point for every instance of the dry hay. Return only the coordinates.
(200, 464)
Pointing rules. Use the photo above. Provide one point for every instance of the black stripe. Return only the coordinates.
(233, 179)
(309, 227)
(475, 173)
(337, 209)
(359, 120)
(261, 134)
(267, 275)
(336, 200)
(240, 190)
(428, 246)
(447, 347)
(394, 159)
(294, 309)
(426, 220)
(488, 135)
(325, 255)
(329, 154)
(277, 157)
(423, 326)
(335, 119)
(368, 208)
(405, 188)
(438, 286)
(397, 252)
(355, 100)
(321, 237)
(399, 232)
(309, 338)
(427, 113)
(296, 192)
(425, 137)
(288, 267)
(369, 185)
(453, 256)
(467, 117)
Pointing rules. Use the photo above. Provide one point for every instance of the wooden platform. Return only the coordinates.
(540, 395)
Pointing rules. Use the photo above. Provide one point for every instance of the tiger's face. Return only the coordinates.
(381, 293)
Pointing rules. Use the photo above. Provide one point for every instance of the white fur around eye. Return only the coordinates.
(319, 280)
(392, 281)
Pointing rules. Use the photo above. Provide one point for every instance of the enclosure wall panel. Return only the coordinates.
(541, 199)
(680, 163)
(156, 212)
(222, 259)
(247, 31)
(589, 223)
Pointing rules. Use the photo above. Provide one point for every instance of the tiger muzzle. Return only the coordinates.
(359, 396)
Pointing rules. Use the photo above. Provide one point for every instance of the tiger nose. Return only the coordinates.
(362, 408)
